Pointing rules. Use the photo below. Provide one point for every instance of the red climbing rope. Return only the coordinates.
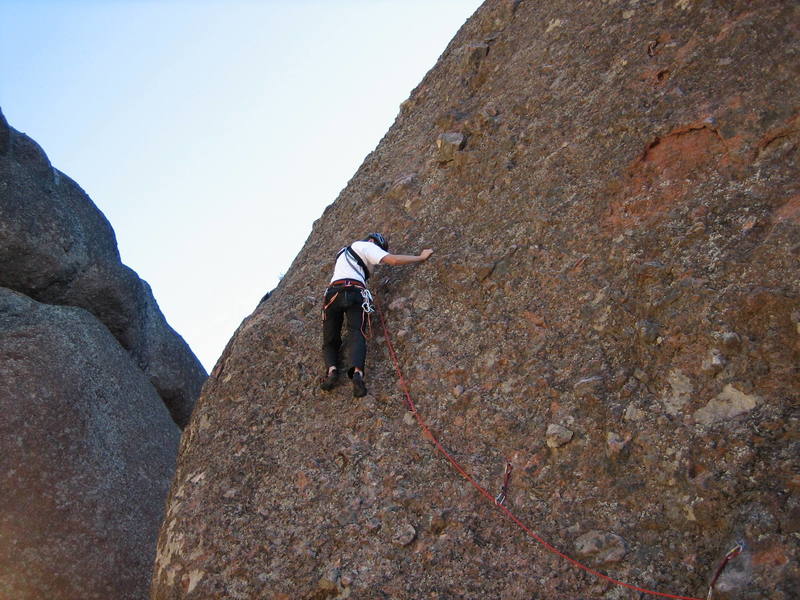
(501, 506)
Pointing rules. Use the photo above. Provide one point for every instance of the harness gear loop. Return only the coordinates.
(732, 553)
(501, 497)
(325, 308)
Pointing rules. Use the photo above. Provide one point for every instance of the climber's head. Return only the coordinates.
(378, 239)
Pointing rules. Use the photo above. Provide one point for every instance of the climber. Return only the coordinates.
(347, 293)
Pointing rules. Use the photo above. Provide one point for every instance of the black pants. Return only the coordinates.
(348, 301)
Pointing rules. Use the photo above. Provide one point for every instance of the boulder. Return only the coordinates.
(57, 247)
(87, 455)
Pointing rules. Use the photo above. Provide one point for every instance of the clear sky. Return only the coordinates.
(212, 133)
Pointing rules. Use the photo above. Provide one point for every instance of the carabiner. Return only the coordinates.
(368, 305)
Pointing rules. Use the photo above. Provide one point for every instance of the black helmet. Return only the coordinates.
(378, 239)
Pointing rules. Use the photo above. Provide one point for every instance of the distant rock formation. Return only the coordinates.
(613, 193)
(58, 248)
(93, 388)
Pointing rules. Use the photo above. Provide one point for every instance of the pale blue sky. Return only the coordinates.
(213, 133)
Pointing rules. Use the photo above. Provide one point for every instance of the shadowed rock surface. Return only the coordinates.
(58, 248)
(613, 191)
(88, 451)
(92, 384)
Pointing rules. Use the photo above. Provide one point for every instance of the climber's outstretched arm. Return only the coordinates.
(395, 260)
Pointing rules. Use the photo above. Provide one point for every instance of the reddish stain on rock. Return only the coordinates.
(787, 132)
(665, 173)
(790, 211)
(774, 556)
(680, 154)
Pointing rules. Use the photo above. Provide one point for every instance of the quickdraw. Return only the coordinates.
(732, 553)
(368, 306)
(369, 303)
(501, 497)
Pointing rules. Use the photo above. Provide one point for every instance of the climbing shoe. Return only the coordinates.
(330, 380)
(359, 389)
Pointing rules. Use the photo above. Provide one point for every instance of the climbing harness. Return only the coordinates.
(732, 553)
(499, 500)
(367, 303)
(501, 497)
(340, 283)
(346, 283)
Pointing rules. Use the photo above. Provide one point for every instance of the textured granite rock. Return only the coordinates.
(58, 248)
(88, 452)
(626, 202)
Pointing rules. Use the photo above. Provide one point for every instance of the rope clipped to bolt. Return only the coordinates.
(499, 500)
(732, 553)
(501, 497)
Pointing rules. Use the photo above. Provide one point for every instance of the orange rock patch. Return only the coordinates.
(666, 173)
(790, 211)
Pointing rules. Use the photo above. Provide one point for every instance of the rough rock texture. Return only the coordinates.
(617, 235)
(92, 384)
(58, 248)
(88, 452)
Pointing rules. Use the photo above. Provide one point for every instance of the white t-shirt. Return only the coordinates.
(346, 266)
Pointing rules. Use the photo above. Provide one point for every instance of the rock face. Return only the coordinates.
(88, 454)
(92, 384)
(618, 232)
(57, 247)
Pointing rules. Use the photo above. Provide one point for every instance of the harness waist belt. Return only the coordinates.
(346, 283)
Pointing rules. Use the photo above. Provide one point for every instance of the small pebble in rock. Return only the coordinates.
(448, 144)
(557, 435)
(603, 547)
(404, 535)
(616, 442)
(714, 362)
(632, 413)
(731, 340)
